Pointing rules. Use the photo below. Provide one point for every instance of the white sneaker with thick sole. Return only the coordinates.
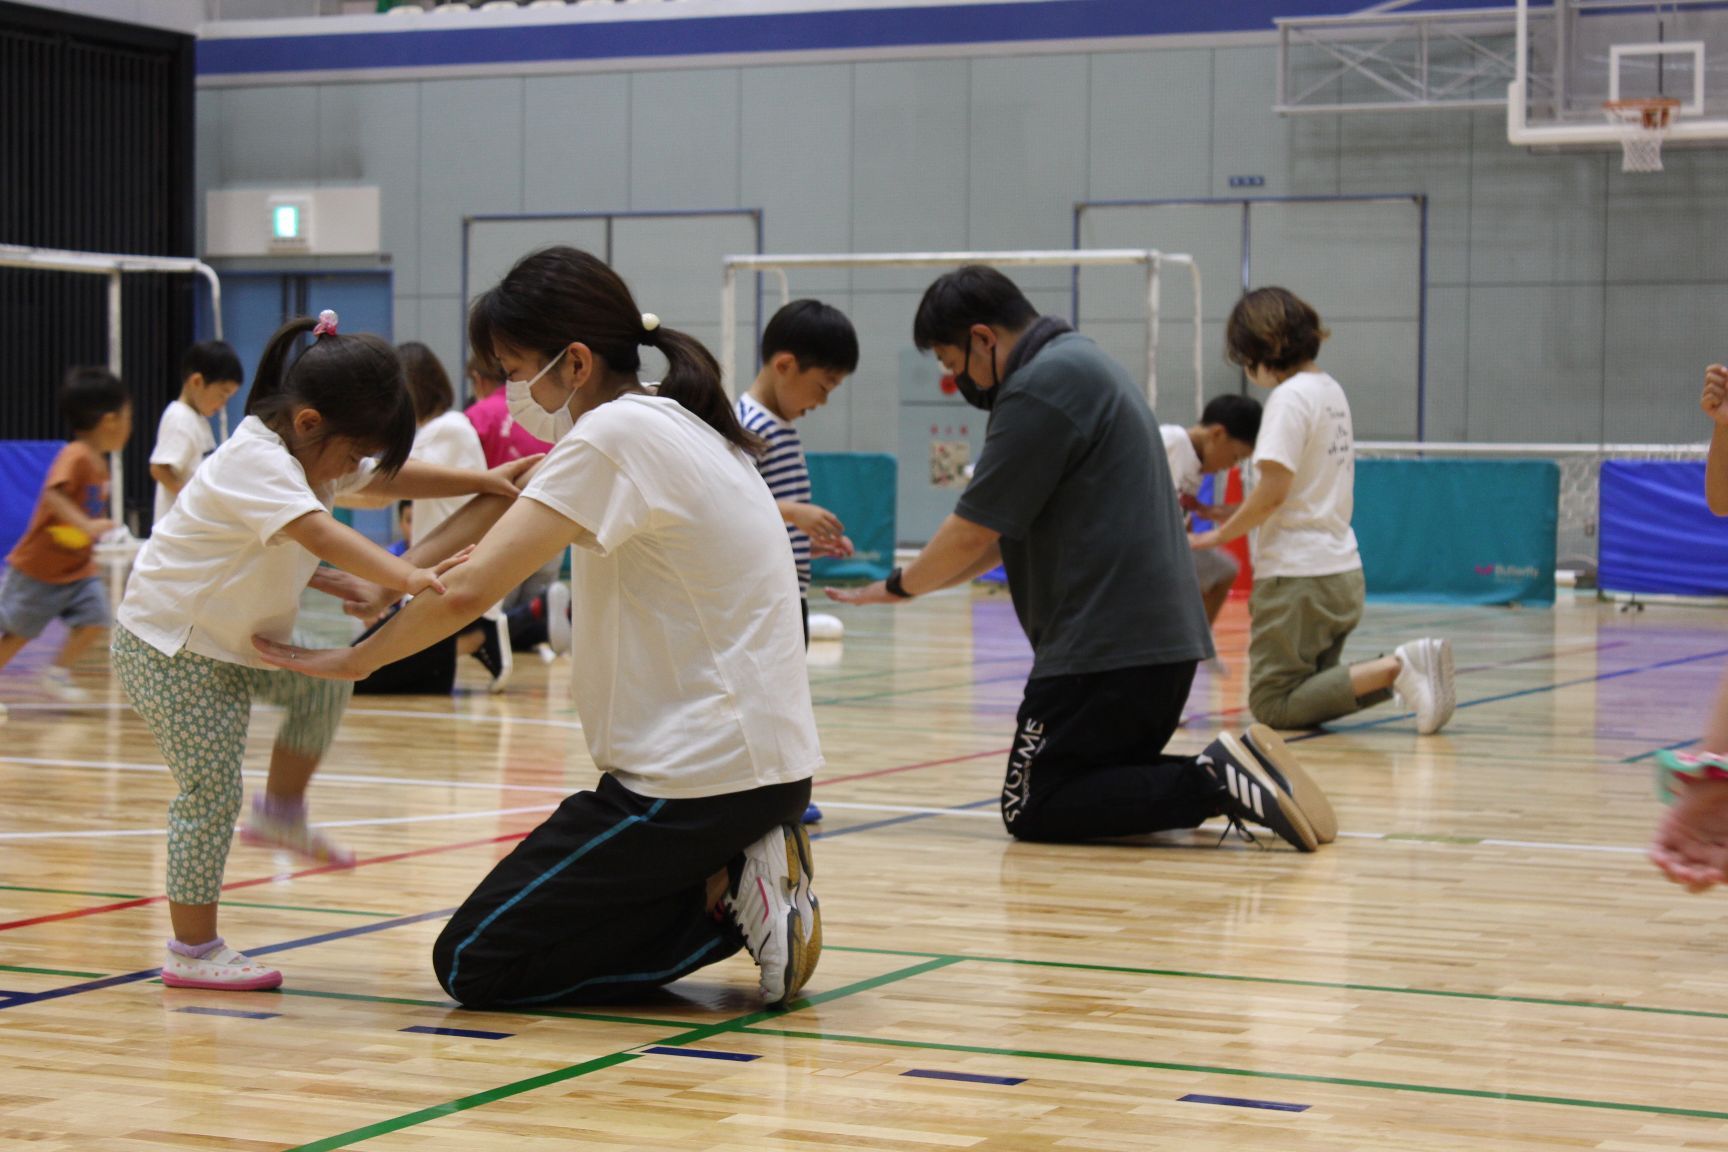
(772, 905)
(1425, 682)
(223, 970)
(57, 683)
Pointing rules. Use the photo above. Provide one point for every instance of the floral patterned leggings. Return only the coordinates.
(199, 709)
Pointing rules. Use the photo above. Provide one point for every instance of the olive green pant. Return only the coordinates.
(1296, 678)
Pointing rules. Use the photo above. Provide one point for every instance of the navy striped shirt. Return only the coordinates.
(783, 467)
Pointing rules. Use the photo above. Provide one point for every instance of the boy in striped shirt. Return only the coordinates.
(808, 350)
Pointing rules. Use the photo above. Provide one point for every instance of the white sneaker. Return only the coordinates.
(1424, 682)
(223, 970)
(558, 617)
(780, 917)
(57, 682)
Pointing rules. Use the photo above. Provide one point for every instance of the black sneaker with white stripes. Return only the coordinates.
(1248, 793)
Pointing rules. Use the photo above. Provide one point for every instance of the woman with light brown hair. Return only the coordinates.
(1308, 585)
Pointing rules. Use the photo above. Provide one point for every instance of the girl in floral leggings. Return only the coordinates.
(230, 561)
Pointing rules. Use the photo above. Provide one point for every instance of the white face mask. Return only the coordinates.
(542, 424)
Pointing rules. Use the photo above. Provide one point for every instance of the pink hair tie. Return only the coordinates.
(326, 323)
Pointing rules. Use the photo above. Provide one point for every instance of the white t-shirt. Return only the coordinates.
(1184, 461)
(1306, 428)
(692, 679)
(216, 570)
(183, 439)
(448, 440)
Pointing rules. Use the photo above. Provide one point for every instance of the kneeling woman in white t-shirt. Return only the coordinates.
(1308, 585)
(692, 688)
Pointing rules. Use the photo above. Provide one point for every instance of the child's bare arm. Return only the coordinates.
(813, 520)
(1714, 402)
(1268, 496)
(68, 511)
(168, 477)
(335, 543)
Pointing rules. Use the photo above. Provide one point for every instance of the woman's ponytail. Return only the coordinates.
(693, 379)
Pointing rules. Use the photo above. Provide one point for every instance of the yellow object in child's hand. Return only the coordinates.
(68, 537)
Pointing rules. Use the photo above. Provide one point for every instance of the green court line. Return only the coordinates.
(560, 1014)
(439, 1111)
(71, 892)
(546, 1079)
(1178, 973)
(1210, 1070)
(52, 972)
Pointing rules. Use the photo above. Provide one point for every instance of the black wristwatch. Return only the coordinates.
(894, 586)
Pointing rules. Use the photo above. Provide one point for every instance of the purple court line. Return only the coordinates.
(465, 1033)
(1242, 1102)
(152, 973)
(1642, 756)
(1598, 648)
(963, 1077)
(701, 1053)
(893, 820)
(1596, 679)
(199, 1010)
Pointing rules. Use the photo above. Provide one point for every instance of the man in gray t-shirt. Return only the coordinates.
(1072, 495)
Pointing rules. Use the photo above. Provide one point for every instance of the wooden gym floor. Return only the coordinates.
(1483, 961)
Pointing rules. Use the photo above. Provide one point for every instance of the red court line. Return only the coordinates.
(77, 913)
(901, 768)
(122, 905)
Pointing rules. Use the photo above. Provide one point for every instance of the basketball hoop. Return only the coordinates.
(1645, 123)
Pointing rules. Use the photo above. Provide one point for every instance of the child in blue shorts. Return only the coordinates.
(51, 573)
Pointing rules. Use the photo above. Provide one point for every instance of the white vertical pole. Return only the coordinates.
(729, 331)
(1152, 271)
(116, 461)
(1199, 342)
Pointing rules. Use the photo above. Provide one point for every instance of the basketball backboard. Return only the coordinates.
(1574, 57)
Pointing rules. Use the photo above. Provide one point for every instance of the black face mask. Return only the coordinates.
(979, 398)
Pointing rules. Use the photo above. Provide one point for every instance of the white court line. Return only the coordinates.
(402, 713)
(1488, 842)
(114, 833)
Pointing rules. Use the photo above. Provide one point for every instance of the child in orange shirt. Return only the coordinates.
(51, 573)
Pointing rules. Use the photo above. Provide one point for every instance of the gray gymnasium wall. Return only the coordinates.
(1566, 301)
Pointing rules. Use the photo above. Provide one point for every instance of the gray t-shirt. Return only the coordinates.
(1073, 475)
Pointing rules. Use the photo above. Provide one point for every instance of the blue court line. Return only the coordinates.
(199, 1010)
(906, 819)
(966, 1077)
(468, 1033)
(152, 973)
(701, 1053)
(1596, 679)
(1241, 1102)
(1658, 751)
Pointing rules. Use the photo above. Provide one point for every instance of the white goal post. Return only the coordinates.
(1149, 258)
(114, 266)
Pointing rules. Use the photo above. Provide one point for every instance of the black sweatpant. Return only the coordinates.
(1088, 758)
(605, 899)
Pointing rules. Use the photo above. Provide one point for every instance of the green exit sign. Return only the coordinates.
(285, 222)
